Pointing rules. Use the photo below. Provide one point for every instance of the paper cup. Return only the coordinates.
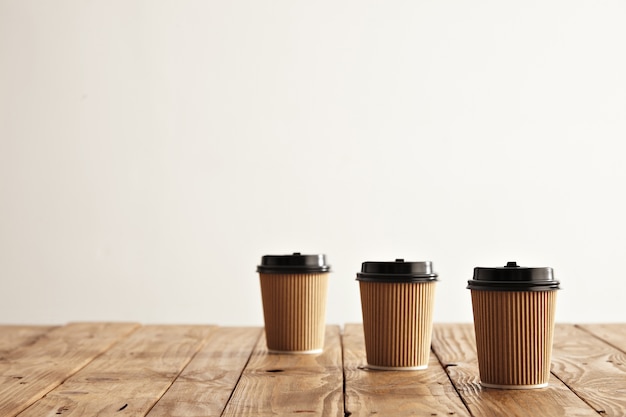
(514, 322)
(294, 291)
(397, 300)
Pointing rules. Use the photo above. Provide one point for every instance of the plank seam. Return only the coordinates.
(198, 349)
(599, 338)
(445, 369)
(600, 412)
(572, 389)
(79, 369)
(346, 412)
(243, 369)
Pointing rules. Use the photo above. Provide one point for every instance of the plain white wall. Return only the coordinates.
(152, 151)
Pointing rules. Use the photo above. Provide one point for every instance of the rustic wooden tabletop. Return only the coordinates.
(125, 369)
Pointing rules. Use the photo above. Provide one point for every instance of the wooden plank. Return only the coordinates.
(14, 336)
(29, 373)
(613, 333)
(286, 385)
(206, 384)
(593, 369)
(395, 393)
(130, 377)
(455, 346)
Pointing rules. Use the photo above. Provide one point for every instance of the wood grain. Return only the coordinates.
(28, 373)
(593, 369)
(613, 333)
(206, 384)
(123, 369)
(130, 377)
(291, 385)
(13, 337)
(426, 392)
(455, 346)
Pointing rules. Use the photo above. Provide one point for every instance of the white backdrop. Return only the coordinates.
(152, 151)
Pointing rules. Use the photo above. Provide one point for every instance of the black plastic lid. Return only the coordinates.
(513, 277)
(295, 263)
(398, 271)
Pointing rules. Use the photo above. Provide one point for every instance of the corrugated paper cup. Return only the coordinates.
(514, 322)
(397, 301)
(294, 290)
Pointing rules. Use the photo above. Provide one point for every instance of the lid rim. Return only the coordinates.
(396, 278)
(483, 285)
(293, 263)
(292, 268)
(533, 288)
(400, 269)
(382, 274)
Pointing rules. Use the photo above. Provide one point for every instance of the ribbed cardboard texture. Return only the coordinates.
(397, 323)
(514, 333)
(294, 306)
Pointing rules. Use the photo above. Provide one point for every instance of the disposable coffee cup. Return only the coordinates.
(294, 289)
(514, 322)
(397, 301)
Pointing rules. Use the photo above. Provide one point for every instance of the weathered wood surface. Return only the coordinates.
(613, 334)
(395, 393)
(13, 337)
(455, 346)
(291, 385)
(130, 377)
(206, 384)
(591, 368)
(28, 374)
(124, 369)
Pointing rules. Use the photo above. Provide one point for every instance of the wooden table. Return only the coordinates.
(125, 369)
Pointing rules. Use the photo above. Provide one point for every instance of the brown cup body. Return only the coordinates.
(397, 323)
(514, 331)
(294, 308)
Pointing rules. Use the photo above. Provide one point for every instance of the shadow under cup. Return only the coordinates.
(294, 290)
(397, 301)
(514, 322)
